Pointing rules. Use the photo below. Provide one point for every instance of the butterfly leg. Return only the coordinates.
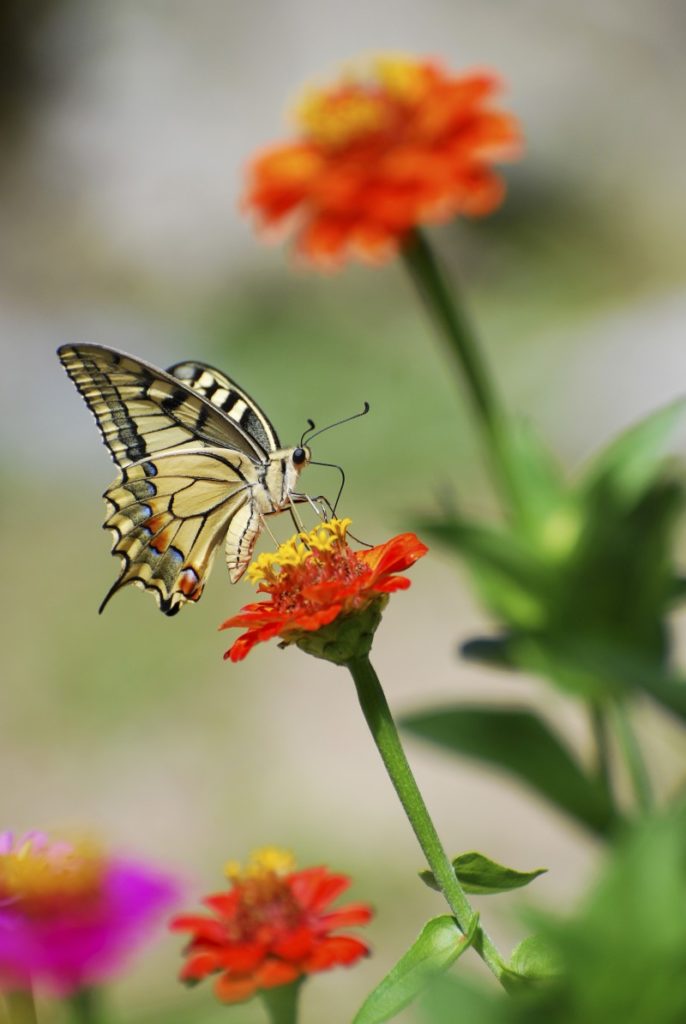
(320, 511)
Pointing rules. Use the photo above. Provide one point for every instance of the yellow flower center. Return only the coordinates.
(358, 105)
(39, 875)
(336, 118)
(325, 537)
(267, 860)
(401, 77)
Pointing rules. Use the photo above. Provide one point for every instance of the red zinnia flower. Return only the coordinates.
(381, 152)
(271, 927)
(315, 579)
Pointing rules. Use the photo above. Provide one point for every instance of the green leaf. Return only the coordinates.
(440, 943)
(524, 745)
(541, 489)
(633, 460)
(511, 578)
(490, 650)
(482, 876)
(535, 959)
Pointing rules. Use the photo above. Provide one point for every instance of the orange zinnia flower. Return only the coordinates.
(314, 581)
(271, 927)
(381, 152)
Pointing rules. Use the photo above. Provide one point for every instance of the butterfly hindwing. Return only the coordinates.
(226, 395)
(142, 411)
(169, 513)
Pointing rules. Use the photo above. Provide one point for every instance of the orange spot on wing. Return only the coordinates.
(161, 542)
(189, 584)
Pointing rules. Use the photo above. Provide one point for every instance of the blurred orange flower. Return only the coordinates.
(316, 579)
(380, 152)
(271, 927)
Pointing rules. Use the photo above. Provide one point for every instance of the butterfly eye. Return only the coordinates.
(299, 456)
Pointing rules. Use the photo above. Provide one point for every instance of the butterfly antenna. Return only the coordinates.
(333, 465)
(308, 430)
(347, 419)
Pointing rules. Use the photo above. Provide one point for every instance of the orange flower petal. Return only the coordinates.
(229, 989)
(275, 972)
(346, 917)
(341, 949)
(296, 945)
(243, 957)
(199, 965)
(203, 927)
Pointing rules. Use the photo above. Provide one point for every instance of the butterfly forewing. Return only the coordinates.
(226, 395)
(141, 410)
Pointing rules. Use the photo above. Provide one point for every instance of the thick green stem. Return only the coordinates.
(385, 734)
(448, 312)
(21, 1008)
(281, 1003)
(633, 758)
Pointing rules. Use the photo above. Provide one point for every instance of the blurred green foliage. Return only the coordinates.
(621, 957)
(583, 576)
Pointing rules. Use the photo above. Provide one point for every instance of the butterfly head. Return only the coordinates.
(300, 457)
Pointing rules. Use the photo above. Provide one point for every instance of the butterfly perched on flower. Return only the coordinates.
(200, 464)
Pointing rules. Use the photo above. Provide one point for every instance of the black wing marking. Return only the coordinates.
(141, 410)
(168, 515)
(226, 395)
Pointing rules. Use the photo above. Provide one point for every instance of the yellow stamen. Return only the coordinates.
(357, 104)
(325, 537)
(58, 870)
(335, 118)
(403, 78)
(267, 860)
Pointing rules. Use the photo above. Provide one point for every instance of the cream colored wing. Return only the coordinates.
(169, 513)
(142, 411)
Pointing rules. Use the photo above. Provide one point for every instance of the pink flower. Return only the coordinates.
(70, 914)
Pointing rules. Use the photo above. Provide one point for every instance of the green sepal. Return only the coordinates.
(347, 638)
(439, 944)
(482, 876)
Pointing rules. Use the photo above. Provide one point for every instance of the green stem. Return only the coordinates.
(85, 1007)
(599, 727)
(21, 1008)
(281, 1003)
(447, 309)
(385, 734)
(633, 758)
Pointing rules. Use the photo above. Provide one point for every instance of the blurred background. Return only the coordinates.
(125, 128)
